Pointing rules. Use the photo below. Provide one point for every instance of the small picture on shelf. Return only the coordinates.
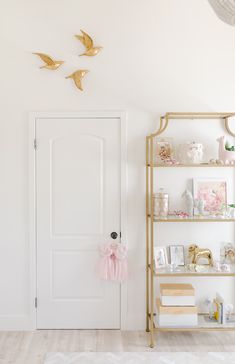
(227, 253)
(164, 150)
(160, 257)
(213, 192)
(176, 253)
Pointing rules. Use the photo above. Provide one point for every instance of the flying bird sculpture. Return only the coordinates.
(88, 44)
(225, 10)
(77, 76)
(50, 63)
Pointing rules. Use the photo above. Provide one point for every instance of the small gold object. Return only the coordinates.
(88, 44)
(50, 63)
(196, 253)
(77, 76)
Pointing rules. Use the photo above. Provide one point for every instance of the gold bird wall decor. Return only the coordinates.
(77, 77)
(50, 63)
(87, 41)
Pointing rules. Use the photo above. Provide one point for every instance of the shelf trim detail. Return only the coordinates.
(164, 120)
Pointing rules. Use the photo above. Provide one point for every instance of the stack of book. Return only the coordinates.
(176, 306)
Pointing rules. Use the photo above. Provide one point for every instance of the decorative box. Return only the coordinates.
(177, 294)
(179, 316)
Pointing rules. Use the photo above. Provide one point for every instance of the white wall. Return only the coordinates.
(158, 56)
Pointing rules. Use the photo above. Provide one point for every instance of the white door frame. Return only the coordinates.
(122, 115)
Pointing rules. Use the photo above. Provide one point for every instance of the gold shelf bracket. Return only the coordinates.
(227, 127)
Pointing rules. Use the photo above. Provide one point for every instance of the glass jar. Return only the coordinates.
(161, 203)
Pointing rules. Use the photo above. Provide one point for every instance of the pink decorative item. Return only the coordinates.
(181, 214)
(213, 192)
(164, 150)
(171, 161)
(113, 262)
(225, 155)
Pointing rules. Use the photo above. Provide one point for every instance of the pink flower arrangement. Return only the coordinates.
(214, 195)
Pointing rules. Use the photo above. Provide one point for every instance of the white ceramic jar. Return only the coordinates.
(190, 153)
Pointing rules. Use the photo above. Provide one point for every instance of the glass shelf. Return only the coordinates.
(207, 165)
(204, 324)
(192, 219)
(183, 272)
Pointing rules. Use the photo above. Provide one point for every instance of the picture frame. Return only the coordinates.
(177, 255)
(164, 150)
(213, 191)
(160, 257)
(227, 252)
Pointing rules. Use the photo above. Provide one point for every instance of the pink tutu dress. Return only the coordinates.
(113, 262)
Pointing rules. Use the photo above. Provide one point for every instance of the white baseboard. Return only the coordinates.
(25, 323)
(15, 323)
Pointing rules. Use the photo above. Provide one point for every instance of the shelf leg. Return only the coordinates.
(151, 339)
(147, 235)
(147, 299)
(151, 249)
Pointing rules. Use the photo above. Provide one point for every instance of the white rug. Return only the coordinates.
(140, 358)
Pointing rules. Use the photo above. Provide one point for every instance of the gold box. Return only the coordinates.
(176, 289)
(175, 310)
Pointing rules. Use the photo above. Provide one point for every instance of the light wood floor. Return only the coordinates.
(31, 347)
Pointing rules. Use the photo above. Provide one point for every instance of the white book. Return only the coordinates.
(178, 300)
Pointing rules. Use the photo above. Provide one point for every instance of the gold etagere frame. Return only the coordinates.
(150, 220)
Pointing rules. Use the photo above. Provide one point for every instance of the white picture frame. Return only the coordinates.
(160, 257)
(177, 255)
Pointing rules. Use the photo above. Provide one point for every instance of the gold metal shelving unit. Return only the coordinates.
(151, 220)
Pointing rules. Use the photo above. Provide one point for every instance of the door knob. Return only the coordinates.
(114, 235)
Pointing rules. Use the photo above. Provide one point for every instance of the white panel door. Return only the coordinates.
(78, 206)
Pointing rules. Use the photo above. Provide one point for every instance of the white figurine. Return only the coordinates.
(199, 206)
(189, 202)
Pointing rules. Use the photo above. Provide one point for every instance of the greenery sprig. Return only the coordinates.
(230, 148)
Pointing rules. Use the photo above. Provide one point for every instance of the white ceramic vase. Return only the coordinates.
(191, 153)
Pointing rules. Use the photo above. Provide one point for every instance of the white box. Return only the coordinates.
(178, 300)
(176, 316)
(189, 320)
